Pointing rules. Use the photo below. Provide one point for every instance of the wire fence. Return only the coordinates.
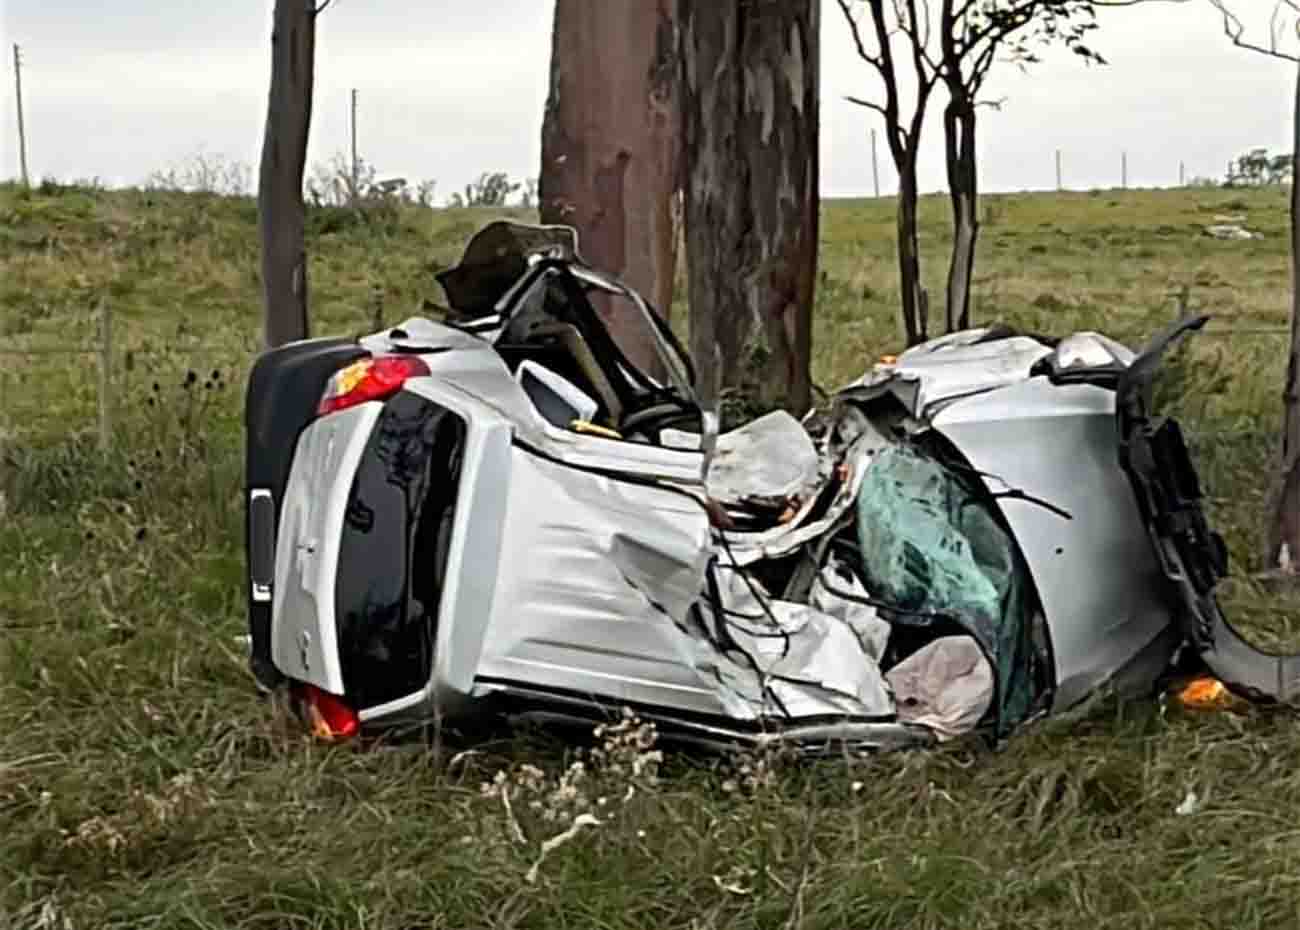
(111, 358)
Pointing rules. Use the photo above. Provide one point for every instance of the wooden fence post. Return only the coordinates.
(105, 375)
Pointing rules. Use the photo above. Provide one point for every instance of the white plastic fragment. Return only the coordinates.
(1231, 231)
(1189, 805)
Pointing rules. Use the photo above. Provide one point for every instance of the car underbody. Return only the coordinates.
(499, 513)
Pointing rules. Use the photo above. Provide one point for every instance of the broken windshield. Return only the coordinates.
(931, 546)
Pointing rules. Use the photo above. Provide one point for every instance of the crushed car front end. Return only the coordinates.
(502, 514)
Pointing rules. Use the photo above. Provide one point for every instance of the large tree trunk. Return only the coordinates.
(750, 113)
(610, 144)
(914, 299)
(1284, 536)
(959, 134)
(284, 155)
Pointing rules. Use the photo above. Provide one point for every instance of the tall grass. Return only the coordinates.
(143, 784)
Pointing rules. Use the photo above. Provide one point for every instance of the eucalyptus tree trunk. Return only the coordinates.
(610, 146)
(280, 210)
(750, 115)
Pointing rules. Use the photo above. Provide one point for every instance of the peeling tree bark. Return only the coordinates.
(611, 143)
(750, 115)
(284, 154)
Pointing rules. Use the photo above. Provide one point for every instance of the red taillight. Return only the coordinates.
(330, 718)
(369, 379)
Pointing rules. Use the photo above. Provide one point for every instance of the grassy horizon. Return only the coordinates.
(143, 784)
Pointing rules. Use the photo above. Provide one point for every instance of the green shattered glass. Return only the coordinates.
(930, 544)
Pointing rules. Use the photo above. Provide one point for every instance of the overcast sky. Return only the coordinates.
(451, 88)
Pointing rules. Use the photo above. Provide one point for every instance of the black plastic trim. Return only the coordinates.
(1192, 556)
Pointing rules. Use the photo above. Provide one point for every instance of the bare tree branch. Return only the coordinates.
(889, 74)
(1235, 30)
(317, 11)
(925, 68)
(925, 25)
(869, 104)
(917, 31)
(856, 34)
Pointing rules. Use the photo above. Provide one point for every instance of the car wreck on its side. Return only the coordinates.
(502, 514)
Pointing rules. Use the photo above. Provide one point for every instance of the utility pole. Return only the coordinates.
(356, 165)
(1058, 170)
(875, 165)
(22, 132)
(1182, 174)
(1123, 170)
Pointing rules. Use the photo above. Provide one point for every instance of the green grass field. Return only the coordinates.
(143, 784)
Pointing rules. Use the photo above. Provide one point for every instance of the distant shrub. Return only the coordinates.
(205, 173)
(492, 189)
(1257, 168)
(340, 183)
(53, 187)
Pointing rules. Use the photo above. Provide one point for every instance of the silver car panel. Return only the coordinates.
(595, 575)
(1100, 586)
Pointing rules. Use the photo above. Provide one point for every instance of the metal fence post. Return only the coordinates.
(105, 375)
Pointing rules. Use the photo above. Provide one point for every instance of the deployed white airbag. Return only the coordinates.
(947, 685)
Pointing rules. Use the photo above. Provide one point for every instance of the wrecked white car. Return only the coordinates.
(502, 514)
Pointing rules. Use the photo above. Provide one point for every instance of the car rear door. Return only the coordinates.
(303, 644)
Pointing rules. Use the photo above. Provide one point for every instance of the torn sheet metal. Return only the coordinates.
(956, 365)
(853, 448)
(783, 660)
(838, 593)
(771, 457)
